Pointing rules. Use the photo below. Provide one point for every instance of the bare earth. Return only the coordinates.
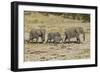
(49, 51)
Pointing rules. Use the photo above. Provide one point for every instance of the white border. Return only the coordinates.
(22, 64)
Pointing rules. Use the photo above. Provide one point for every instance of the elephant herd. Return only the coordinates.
(55, 37)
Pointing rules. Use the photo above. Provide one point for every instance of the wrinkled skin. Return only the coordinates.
(36, 34)
(74, 32)
(54, 37)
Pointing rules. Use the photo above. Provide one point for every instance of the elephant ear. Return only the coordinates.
(38, 32)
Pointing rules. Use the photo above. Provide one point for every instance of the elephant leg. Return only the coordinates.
(36, 39)
(48, 40)
(65, 39)
(78, 39)
(68, 40)
(53, 40)
(31, 40)
(61, 40)
(43, 40)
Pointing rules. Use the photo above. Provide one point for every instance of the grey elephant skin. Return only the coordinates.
(36, 34)
(54, 37)
(74, 32)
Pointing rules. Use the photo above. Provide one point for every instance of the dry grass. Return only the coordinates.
(50, 51)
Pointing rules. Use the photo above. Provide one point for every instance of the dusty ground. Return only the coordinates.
(50, 51)
(42, 52)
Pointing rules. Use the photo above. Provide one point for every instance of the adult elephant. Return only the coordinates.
(36, 34)
(74, 32)
(54, 37)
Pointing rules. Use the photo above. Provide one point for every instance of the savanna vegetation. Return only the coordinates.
(56, 22)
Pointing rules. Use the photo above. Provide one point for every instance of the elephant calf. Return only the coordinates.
(74, 32)
(36, 34)
(54, 37)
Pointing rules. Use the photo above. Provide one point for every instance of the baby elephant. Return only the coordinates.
(54, 37)
(36, 34)
(74, 32)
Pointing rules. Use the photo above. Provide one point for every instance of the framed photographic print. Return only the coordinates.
(52, 36)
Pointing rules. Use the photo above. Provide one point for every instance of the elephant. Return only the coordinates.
(54, 37)
(74, 32)
(36, 34)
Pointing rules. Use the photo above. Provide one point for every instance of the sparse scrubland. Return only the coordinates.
(50, 51)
